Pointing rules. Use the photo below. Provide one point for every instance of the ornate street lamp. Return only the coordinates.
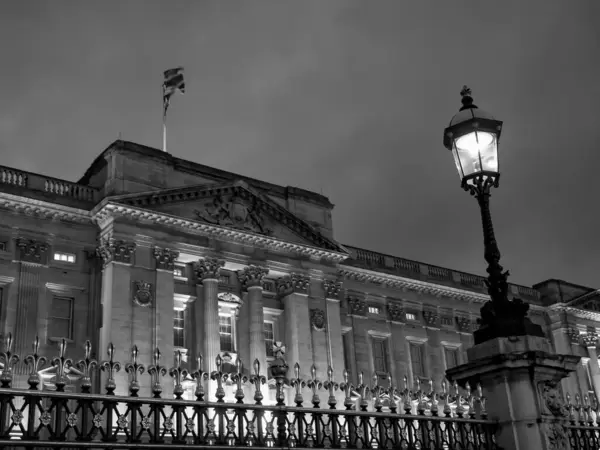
(473, 137)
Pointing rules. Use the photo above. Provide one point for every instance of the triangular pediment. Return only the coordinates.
(587, 302)
(232, 205)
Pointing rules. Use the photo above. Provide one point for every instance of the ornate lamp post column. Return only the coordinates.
(473, 137)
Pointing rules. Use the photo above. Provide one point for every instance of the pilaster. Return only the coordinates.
(331, 290)
(590, 340)
(251, 278)
(208, 271)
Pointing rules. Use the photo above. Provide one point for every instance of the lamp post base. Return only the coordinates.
(505, 319)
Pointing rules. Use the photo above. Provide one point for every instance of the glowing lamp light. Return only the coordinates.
(473, 137)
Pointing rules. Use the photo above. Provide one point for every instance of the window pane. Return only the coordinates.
(416, 357)
(178, 326)
(269, 338)
(451, 357)
(225, 334)
(59, 328)
(178, 337)
(379, 355)
(61, 308)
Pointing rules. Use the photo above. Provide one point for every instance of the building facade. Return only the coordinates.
(150, 250)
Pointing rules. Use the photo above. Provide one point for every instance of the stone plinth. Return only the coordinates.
(521, 379)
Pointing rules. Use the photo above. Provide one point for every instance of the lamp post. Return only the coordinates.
(473, 137)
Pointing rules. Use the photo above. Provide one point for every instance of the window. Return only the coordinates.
(224, 280)
(178, 325)
(64, 257)
(416, 359)
(60, 319)
(374, 310)
(226, 333)
(451, 355)
(269, 338)
(3, 246)
(179, 271)
(411, 316)
(379, 359)
(347, 352)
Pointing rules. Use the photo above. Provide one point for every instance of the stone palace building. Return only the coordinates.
(153, 250)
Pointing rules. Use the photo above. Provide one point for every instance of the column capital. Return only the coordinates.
(31, 250)
(573, 334)
(208, 268)
(294, 282)
(590, 340)
(252, 276)
(112, 250)
(332, 288)
(165, 258)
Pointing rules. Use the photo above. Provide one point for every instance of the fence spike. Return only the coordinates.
(219, 376)
(377, 392)
(62, 365)
(200, 376)
(86, 365)
(314, 384)
(36, 362)
(111, 366)
(134, 368)
(348, 389)
(257, 379)
(178, 374)
(156, 372)
(297, 383)
(393, 393)
(362, 390)
(331, 386)
(239, 379)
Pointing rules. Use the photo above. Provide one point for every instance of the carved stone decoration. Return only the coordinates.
(552, 398)
(464, 324)
(356, 306)
(332, 288)
(573, 334)
(32, 251)
(142, 293)
(208, 268)
(165, 258)
(317, 319)
(116, 250)
(556, 435)
(234, 212)
(431, 317)
(252, 276)
(293, 283)
(590, 339)
(396, 312)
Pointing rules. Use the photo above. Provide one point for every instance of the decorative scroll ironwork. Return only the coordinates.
(583, 427)
(379, 415)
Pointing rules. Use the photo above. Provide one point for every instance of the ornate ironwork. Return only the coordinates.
(36, 363)
(86, 366)
(31, 418)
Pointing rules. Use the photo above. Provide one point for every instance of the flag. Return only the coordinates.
(173, 82)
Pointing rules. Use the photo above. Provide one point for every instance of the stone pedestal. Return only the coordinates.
(520, 377)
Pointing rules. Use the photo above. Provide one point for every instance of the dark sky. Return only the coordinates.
(345, 97)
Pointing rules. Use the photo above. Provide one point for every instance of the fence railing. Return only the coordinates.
(374, 416)
(584, 422)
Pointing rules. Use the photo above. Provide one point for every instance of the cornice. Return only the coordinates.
(43, 210)
(394, 281)
(575, 312)
(109, 209)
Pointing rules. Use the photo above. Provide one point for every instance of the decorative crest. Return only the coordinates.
(35, 362)
(142, 294)
(156, 372)
(317, 319)
(257, 379)
(62, 365)
(200, 376)
(86, 366)
(111, 367)
(179, 374)
(279, 349)
(134, 368)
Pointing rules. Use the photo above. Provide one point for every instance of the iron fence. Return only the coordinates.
(583, 428)
(373, 416)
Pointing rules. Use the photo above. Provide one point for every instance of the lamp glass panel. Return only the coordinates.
(476, 152)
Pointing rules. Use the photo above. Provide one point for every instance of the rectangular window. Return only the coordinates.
(451, 357)
(411, 316)
(226, 333)
(60, 319)
(374, 310)
(347, 351)
(179, 271)
(379, 359)
(417, 359)
(269, 338)
(178, 328)
(64, 257)
(3, 246)
(224, 280)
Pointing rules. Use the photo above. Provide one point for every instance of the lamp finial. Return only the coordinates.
(467, 99)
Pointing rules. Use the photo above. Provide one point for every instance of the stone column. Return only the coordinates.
(33, 257)
(334, 327)
(590, 340)
(294, 291)
(251, 278)
(208, 271)
(117, 307)
(521, 378)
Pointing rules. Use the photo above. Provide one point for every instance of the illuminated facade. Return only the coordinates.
(152, 250)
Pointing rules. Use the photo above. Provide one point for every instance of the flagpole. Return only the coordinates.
(164, 145)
